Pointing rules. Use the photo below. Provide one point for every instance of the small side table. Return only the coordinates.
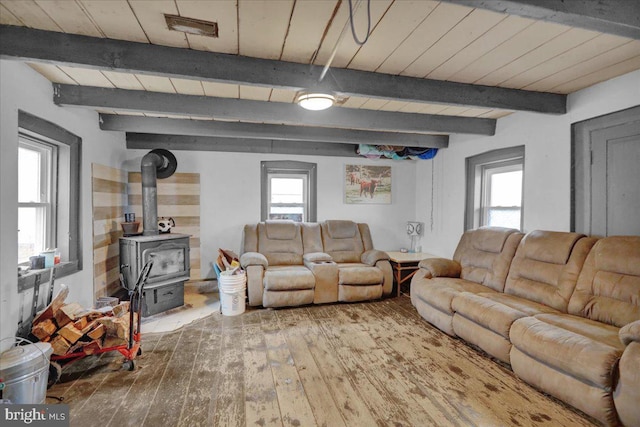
(405, 265)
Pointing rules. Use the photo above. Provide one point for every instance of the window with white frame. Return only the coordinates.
(37, 190)
(495, 180)
(49, 161)
(288, 191)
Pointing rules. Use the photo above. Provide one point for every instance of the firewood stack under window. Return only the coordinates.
(70, 328)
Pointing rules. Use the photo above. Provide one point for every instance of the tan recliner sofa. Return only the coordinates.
(567, 318)
(290, 264)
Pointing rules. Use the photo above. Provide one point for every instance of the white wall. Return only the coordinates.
(230, 197)
(24, 89)
(230, 182)
(547, 141)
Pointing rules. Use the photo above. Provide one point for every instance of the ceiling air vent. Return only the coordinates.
(192, 26)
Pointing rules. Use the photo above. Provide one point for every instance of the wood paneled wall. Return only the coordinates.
(115, 192)
(178, 198)
(109, 194)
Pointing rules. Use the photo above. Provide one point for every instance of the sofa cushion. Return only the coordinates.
(608, 289)
(440, 267)
(311, 237)
(280, 242)
(287, 299)
(546, 267)
(490, 314)
(627, 393)
(491, 239)
(348, 293)
(478, 259)
(521, 304)
(551, 247)
(287, 278)
(440, 292)
(340, 229)
(281, 230)
(485, 319)
(342, 240)
(578, 347)
(630, 333)
(359, 275)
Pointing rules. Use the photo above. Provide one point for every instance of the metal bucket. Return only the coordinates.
(24, 372)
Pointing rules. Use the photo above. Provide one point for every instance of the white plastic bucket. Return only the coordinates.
(232, 289)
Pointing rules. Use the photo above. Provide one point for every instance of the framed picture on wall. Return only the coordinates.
(367, 184)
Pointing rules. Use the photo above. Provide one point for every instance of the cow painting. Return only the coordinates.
(367, 184)
(368, 187)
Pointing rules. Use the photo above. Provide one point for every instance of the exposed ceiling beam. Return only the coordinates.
(238, 145)
(124, 56)
(301, 134)
(266, 112)
(619, 17)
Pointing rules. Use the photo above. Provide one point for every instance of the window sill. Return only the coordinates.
(28, 280)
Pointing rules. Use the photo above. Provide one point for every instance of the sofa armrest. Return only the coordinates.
(630, 332)
(316, 257)
(440, 267)
(253, 258)
(371, 257)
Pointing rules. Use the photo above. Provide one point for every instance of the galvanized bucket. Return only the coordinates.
(24, 372)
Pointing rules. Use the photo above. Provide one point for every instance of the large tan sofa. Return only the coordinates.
(562, 309)
(291, 264)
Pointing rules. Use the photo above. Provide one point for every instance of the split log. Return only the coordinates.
(90, 315)
(67, 313)
(92, 347)
(116, 326)
(96, 333)
(77, 346)
(90, 326)
(121, 309)
(81, 323)
(51, 309)
(44, 329)
(60, 345)
(70, 333)
(114, 341)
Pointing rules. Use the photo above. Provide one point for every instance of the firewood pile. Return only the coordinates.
(70, 328)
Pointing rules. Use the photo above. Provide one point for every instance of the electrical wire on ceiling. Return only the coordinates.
(353, 27)
(352, 11)
(315, 98)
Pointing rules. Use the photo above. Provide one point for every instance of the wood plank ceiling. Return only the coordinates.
(421, 39)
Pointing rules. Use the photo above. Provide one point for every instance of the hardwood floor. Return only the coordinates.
(368, 364)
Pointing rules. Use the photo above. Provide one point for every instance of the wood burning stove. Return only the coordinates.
(164, 288)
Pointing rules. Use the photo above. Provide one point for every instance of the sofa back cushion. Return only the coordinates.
(311, 237)
(546, 266)
(485, 254)
(608, 288)
(342, 240)
(280, 242)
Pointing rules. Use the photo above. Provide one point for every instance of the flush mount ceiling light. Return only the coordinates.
(192, 25)
(315, 101)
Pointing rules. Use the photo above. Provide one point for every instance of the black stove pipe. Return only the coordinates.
(149, 165)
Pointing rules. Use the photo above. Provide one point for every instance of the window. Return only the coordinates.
(48, 194)
(37, 165)
(288, 191)
(494, 189)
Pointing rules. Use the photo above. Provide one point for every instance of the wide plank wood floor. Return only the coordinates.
(366, 364)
